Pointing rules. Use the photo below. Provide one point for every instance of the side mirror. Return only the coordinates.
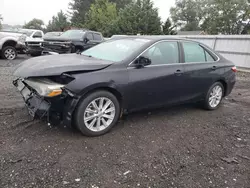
(85, 40)
(142, 62)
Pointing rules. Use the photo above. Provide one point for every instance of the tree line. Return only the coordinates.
(141, 17)
(212, 16)
(109, 17)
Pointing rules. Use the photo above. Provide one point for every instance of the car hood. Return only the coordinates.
(53, 65)
(10, 34)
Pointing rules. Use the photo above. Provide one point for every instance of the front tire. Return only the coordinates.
(9, 53)
(214, 96)
(97, 113)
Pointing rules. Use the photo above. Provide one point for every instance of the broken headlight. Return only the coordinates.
(45, 87)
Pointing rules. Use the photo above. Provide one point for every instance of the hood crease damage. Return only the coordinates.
(56, 65)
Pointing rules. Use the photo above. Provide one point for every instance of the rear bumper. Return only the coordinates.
(230, 88)
(230, 84)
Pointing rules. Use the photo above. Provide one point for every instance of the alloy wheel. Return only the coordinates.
(215, 96)
(99, 114)
(10, 54)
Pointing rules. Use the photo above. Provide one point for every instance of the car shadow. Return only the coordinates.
(140, 117)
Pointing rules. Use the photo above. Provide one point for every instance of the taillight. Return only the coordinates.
(234, 69)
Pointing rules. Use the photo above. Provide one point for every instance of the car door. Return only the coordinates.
(159, 83)
(201, 70)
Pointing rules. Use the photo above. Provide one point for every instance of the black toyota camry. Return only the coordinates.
(93, 89)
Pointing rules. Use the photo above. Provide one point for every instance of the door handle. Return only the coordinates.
(214, 68)
(178, 72)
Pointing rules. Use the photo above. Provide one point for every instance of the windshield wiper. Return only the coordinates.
(86, 55)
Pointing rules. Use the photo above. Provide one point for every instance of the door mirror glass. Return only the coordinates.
(85, 40)
(142, 62)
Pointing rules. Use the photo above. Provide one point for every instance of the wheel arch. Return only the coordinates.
(74, 103)
(224, 83)
(110, 89)
(10, 42)
(69, 114)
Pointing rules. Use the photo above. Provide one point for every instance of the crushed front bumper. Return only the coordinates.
(37, 106)
(55, 110)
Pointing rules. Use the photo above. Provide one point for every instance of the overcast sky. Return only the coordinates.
(21, 11)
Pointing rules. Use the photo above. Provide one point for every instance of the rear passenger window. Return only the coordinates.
(195, 53)
(89, 36)
(209, 58)
(97, 36)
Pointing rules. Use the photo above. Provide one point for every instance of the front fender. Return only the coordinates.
(87, 82)
(7, 38)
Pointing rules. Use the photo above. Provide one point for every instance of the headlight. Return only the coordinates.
(45, 87)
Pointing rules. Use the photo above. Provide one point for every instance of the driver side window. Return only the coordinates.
(163, 53)
(90, 36)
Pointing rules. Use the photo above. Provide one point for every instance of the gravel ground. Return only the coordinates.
(176, 147)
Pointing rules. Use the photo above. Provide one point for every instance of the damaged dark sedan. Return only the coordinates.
(93, 89)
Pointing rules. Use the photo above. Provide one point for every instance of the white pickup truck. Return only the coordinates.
(11, 42)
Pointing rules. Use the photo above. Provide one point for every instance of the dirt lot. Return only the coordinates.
(176, 147)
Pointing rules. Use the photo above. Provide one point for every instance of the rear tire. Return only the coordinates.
(94, 117)
(9, 53)
(214, 96)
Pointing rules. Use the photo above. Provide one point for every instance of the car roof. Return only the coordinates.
(85, 30)
(55, 32)
(151, 37)
(32, 30)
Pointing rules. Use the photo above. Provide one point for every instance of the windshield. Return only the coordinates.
(116, 50)
(26, 32)
(73, 34)
(52, 34)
